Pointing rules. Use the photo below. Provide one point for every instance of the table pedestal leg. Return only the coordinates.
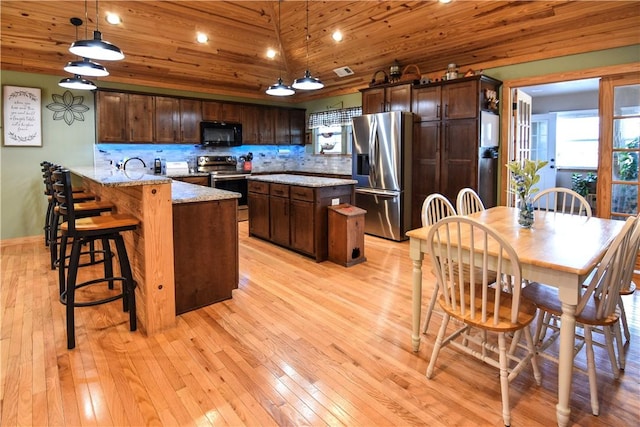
(565, 362)
(417, 301)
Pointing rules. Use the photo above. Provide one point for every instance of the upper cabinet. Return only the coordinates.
(190, 118)
(134, 117)
(124, 117)
(386, 98)
(167, 119)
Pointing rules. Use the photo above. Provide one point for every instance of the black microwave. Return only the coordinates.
(220, 134)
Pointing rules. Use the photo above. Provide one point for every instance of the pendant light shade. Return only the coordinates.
(96, 48)
(77, 82)
(307, 82)
(280, 89)
(86, 67)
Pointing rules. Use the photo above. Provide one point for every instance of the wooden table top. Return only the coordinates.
(569, 243)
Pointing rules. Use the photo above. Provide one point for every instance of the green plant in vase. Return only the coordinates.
(524, 176)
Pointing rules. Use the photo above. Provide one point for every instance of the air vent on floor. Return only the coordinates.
(343, 71)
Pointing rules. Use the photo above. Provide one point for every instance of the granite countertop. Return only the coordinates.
(118, 177)
(183, 192)
(302, 180)
(187, 174)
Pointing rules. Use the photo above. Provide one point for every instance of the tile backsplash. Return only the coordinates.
(266, 158)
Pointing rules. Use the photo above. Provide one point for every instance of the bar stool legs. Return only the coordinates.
(69, 286)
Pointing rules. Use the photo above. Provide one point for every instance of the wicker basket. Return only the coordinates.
(411, 73)
(380, 77)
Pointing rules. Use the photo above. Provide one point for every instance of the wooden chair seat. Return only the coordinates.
(526, 314)
(112, 223)
(547, 299)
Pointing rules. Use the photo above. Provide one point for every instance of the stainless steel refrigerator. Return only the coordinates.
(382, 166)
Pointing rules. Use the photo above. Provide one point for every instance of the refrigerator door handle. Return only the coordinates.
(381, 193)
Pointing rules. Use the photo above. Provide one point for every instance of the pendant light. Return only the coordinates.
(77, 82)
(280, 89)
(96, 48)
(307, 82)
(86, 67)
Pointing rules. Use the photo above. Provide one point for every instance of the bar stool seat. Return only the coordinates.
(82, 210)
(106, 228)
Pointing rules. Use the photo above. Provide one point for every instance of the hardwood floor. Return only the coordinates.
(300, 343)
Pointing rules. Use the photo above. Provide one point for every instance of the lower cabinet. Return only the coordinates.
(258, 201)
(208, 272)
(294, 216)
(199, 180)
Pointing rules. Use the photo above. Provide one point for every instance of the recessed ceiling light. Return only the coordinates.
(113, 19)
(202, 38)
(445, 1)
(337, 35)
(271, 53)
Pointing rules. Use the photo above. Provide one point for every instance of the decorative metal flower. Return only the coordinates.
(68, 107)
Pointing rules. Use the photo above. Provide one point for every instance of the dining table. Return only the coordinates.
(559, 250)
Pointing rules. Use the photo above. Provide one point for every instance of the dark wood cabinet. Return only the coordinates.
(258, 202)
(387, 98)
(208, 272)
(143, 118)
(232, 112)
(279, 214)
(190, 118)
(177, 120)
(212, 111)
(124, 117)
(198, 180)
(111, 114)
(297, 126)
(258, 125)
(167, 124)
(281, 126)
(294, 216)
(302, 219)
(446, 138)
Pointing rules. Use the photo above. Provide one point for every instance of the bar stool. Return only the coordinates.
(106, 228)
(84, 204)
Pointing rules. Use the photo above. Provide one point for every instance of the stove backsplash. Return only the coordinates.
(266, 158)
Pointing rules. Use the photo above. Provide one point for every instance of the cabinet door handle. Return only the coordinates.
(446, 110)
(438, 111)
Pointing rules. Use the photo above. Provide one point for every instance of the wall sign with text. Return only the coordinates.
(22, 118)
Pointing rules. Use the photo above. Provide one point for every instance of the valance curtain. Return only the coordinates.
(340, 117)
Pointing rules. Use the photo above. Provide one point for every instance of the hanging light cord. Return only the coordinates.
(307, 39)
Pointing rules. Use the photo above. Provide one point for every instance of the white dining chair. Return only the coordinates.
(561, 200)
(468, 202)
(434, 208)
(467, 295)
(596, 309)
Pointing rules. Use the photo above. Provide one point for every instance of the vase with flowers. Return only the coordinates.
(524, 176)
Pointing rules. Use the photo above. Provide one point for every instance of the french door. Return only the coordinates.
(618, 177)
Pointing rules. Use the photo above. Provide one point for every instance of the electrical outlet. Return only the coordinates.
(335, 202)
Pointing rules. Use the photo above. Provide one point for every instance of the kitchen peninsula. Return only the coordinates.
(291, 210)
(177, 219)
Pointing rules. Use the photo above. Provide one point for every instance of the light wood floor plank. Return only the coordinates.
(300, 343)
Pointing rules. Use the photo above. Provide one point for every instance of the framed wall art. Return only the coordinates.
(22, 116)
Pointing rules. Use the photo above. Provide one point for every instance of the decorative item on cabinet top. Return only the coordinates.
(380, 77)
(411, 74)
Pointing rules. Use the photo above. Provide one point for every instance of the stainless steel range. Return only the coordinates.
(225, 176)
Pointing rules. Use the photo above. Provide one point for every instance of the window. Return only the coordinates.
(331, 130)
(577, 139)
(332, 139)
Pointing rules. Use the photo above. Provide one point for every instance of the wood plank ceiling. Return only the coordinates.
(158, 38)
